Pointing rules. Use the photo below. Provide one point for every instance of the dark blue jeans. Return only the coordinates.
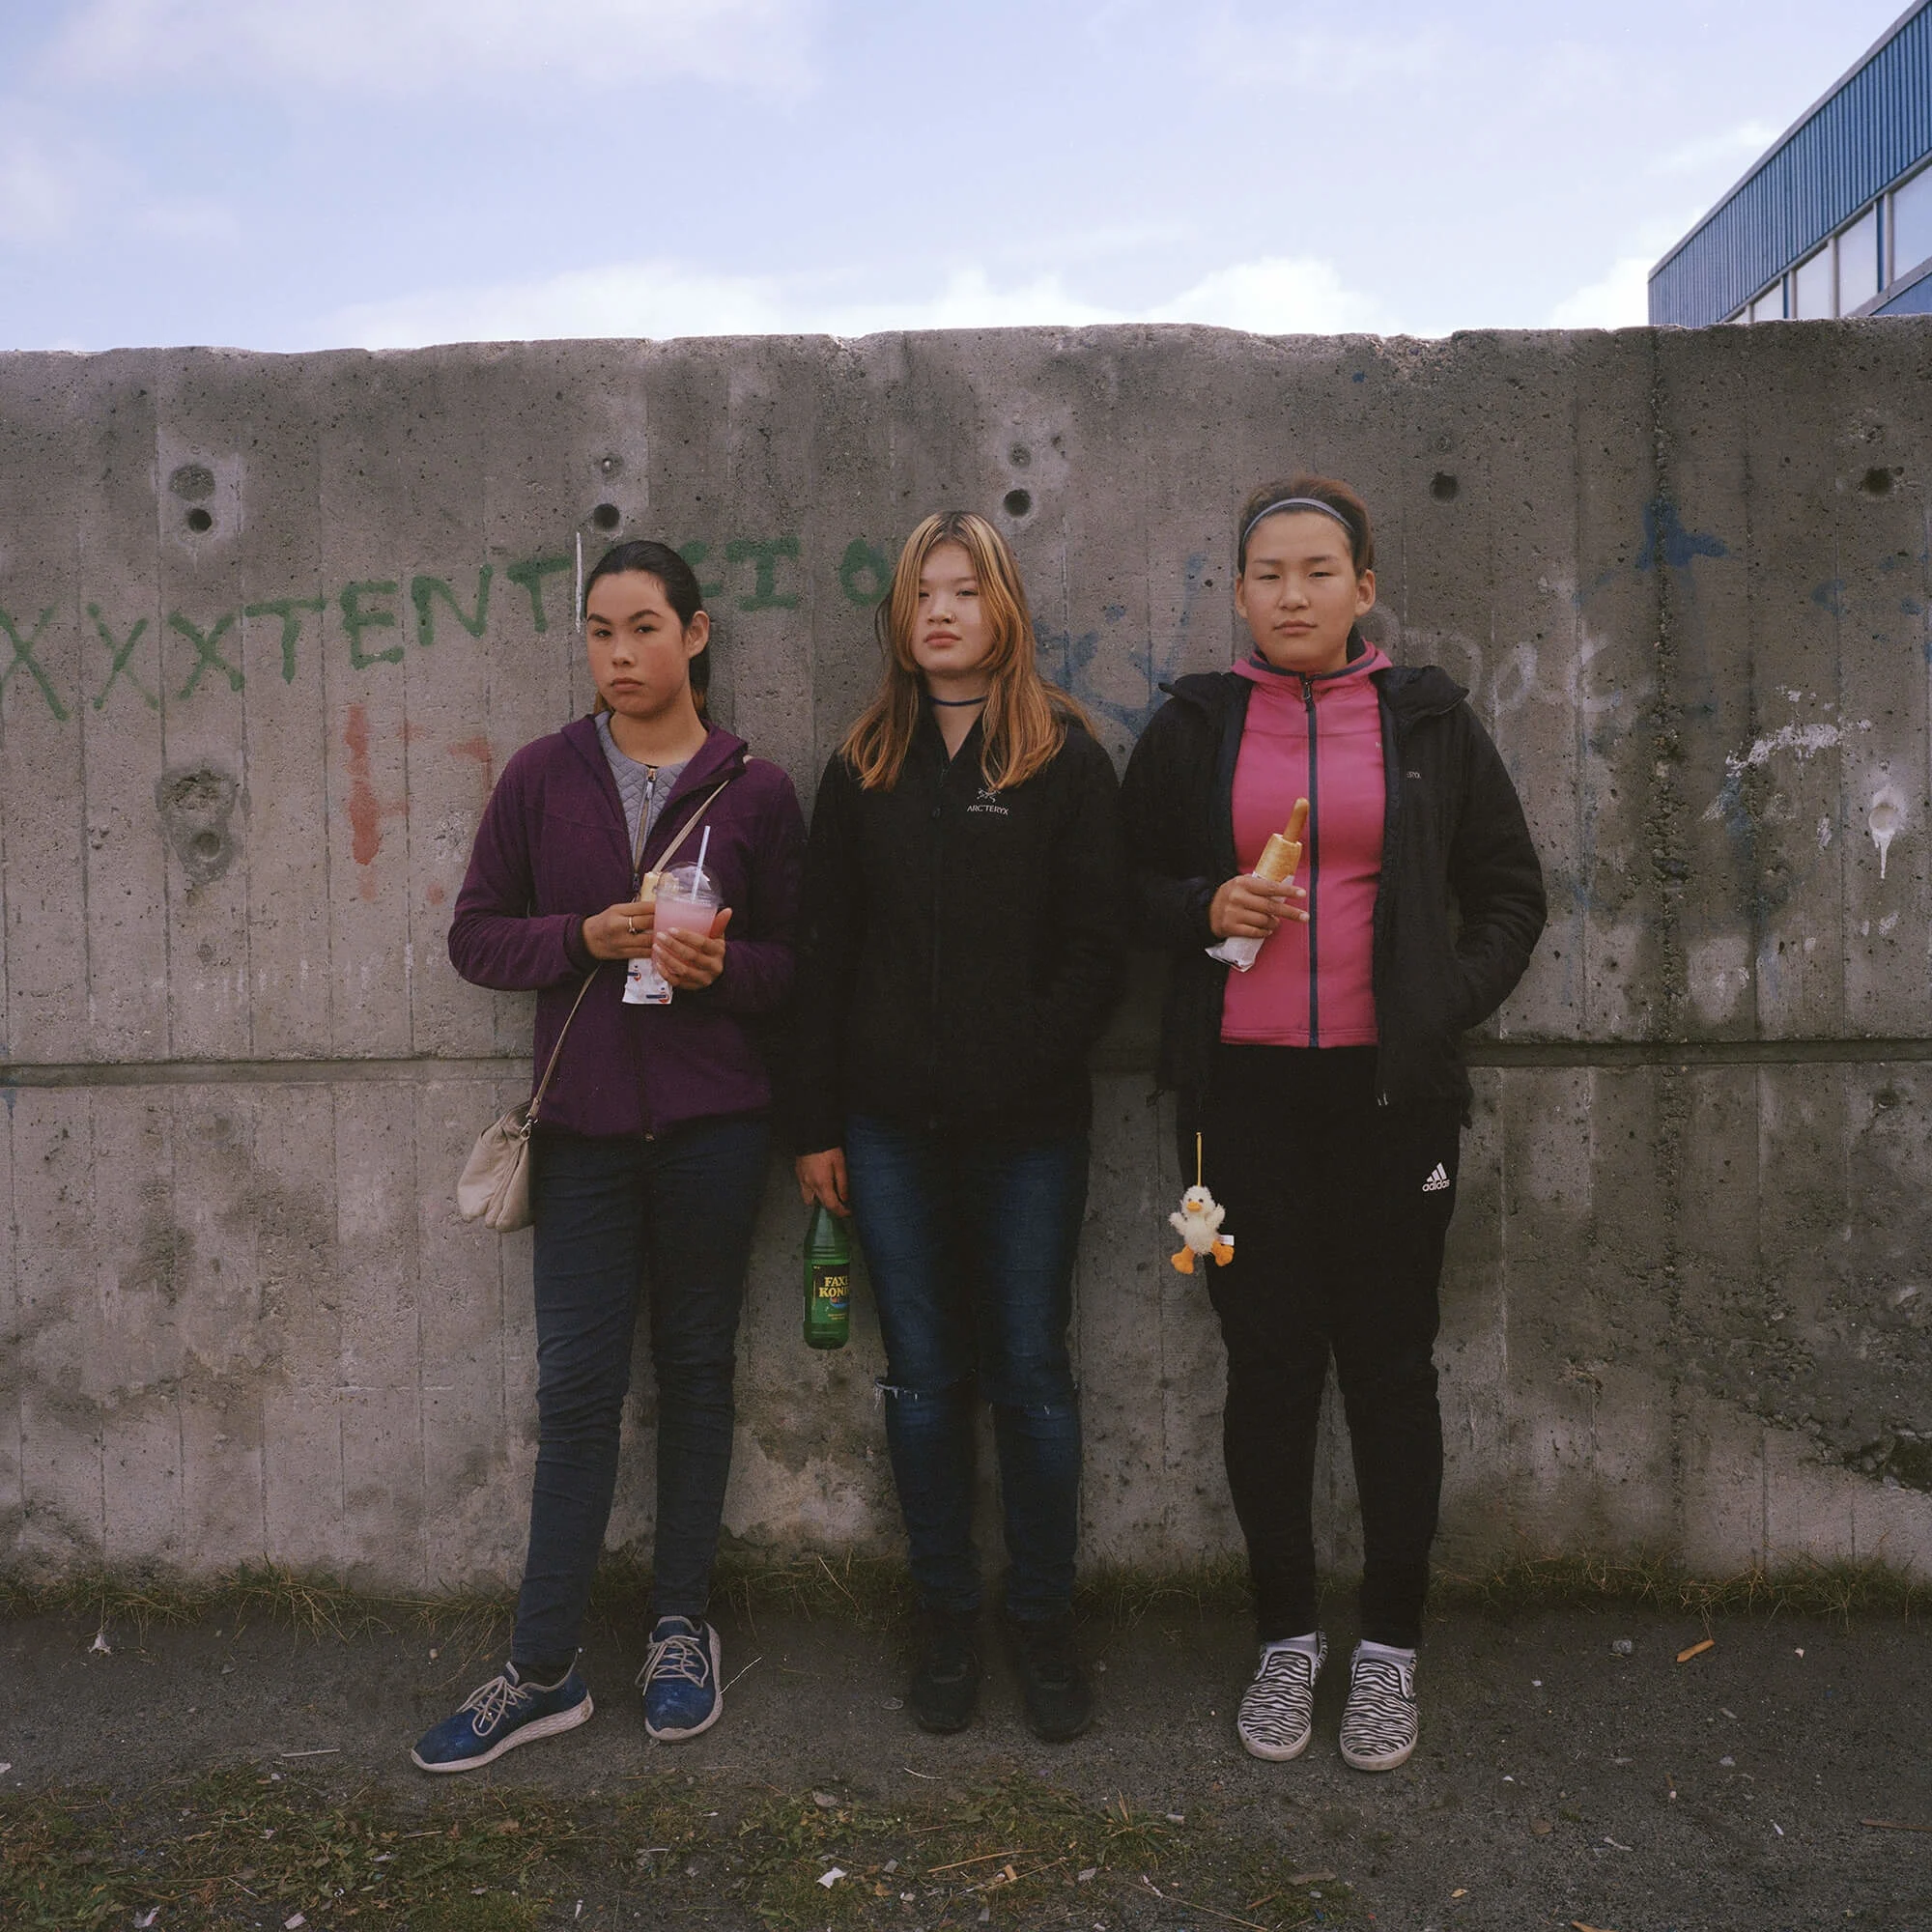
(970, 1247)
(612, 1215)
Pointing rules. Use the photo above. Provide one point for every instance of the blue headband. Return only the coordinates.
(1297, 503)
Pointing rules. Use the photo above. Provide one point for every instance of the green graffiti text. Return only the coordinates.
(356, 620)
(424, 592)
(120, 653)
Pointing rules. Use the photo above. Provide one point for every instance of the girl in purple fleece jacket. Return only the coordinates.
(650, 1151)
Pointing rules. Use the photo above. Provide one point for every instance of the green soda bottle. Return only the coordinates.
(828, 1281)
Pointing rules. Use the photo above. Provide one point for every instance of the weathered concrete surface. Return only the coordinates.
(272, 623)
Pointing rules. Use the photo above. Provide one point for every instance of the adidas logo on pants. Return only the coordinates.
(1436, 1181)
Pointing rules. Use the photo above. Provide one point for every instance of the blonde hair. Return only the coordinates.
(1025, 721)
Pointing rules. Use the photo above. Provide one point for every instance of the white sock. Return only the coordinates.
(1309, 1645)
(1394, 1654)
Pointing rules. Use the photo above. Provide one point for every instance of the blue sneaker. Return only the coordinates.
(503, 1713)
(679, 1680)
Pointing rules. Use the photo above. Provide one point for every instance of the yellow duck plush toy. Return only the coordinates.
(1198, 1223)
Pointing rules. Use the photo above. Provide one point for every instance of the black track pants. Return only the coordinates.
(1338, 1209)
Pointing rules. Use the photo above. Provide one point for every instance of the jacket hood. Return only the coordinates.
(1419, 691)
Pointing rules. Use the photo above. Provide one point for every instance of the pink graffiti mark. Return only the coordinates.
(478, 747)
(366, 812)
(476, 750)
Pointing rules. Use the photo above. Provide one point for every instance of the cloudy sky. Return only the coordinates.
(298, 174)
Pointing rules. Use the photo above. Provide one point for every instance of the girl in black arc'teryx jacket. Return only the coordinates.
(1324, 1078)
(962, 947)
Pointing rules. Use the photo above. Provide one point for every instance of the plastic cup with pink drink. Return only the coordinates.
(686, 902)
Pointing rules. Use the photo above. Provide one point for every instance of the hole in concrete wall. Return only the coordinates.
(192, 482)
(1443, 487)
(1876, 482)
(196, 804)
(607, 516)
(1020, 456)
(1018, 503)
(199, 520)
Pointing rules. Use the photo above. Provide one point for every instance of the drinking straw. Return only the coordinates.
(705, 840)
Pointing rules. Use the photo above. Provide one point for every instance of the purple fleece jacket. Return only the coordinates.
(552, 849)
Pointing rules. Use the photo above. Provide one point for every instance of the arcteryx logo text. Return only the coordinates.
(989, 800)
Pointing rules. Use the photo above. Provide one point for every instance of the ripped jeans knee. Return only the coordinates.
(941, 1396)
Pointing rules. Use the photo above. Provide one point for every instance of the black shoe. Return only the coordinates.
(1059, 1703)
(946, 1681)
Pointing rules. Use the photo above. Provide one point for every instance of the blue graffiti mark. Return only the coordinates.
(1665, 537)
(1360, 376)
(1910, 606)
(1077, 655)
(1582, 597)
(1831, 596)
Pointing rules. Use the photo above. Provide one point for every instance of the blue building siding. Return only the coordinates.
(1868, 132)
(1914, 301)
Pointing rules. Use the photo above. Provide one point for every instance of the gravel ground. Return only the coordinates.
(1572, 1769)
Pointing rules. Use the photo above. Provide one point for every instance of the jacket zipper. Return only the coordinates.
(1379, 918)
(1314, 864)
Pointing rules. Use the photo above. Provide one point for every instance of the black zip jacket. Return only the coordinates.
(960, 950)
(1453, 828)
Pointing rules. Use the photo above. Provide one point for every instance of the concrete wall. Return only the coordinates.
(271, 625)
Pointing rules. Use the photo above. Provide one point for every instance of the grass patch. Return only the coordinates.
(1026, 1853)
(1839, 1590)
(872, 1592)
(312, 1605)
(876, 1594)
(239, 1851)
(246, 1849)
(1121, 1597)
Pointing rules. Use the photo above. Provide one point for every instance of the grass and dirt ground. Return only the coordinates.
(238, 1758)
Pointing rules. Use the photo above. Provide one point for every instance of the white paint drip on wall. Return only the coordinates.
(1804, 741)
(1824, 833)
(1720, 972)
(1886, 821)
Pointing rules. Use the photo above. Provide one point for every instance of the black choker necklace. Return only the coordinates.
(930, 700)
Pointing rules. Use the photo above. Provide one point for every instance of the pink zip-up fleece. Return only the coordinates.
(1316, 737)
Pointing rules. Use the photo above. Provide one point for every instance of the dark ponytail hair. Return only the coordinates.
(1338, 497)
(682, 592)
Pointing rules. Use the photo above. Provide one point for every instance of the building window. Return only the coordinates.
(1859, 278)
(1912, 225)
(1811, 286)
(1769, 306)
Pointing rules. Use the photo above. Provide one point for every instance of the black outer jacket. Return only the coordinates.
(959, 950)
(1453, 826)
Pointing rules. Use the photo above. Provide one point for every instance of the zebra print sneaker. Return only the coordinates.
(1278, 1707)
(1379, 1722)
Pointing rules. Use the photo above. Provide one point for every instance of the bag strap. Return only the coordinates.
(685, 831)
(556, 1052)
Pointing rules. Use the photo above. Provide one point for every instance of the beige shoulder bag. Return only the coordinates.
(495, 1186)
